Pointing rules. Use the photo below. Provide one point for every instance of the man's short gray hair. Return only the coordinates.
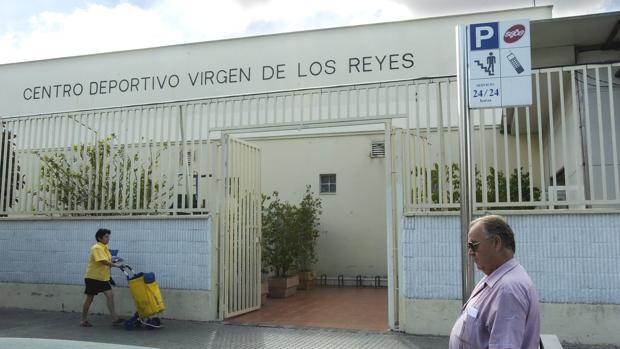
(495, 225)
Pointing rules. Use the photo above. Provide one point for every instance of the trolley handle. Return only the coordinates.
(124, 269)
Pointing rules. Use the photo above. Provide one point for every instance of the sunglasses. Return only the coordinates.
(473, 245)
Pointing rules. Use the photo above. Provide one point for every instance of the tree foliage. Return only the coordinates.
(494, 193)
(10, 176)
(307, 224)
(290, 233)
(101, 177)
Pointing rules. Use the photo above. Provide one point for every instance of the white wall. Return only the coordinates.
(42, 263)
(566, 141)
(380, 50)
(178, 251)
(353, 230)
(603, 126)
(572, 260)
(550, 247)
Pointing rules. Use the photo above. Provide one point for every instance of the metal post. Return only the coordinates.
(467, 183)
(222, 188)
(389, 207)
(187, 201)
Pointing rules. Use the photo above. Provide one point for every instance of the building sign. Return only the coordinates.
(263, 64)
(499, 64)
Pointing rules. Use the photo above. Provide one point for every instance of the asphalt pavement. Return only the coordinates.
(30, 329)
(33, 329)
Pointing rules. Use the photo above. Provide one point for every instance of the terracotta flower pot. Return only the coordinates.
(283, 286)
(264, 288)
(307, 280)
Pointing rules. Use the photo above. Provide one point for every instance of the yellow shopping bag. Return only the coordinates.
(146, 296)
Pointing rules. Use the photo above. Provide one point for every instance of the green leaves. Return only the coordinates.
(290, 233)
(11, 179)
(496, 186)
(101, 177)
(307, 223)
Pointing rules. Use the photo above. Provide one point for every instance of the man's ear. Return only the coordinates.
(497, 242)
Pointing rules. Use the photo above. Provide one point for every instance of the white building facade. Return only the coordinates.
(150, 134)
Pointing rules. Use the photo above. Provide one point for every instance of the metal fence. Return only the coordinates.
(158, 159)
(561, 152)
(130, 161)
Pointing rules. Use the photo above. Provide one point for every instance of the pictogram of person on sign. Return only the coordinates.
(491, 63)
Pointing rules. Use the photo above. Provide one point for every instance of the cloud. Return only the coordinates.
(561, 8)
(130, 25)
(110, 25)
(566, 8)
(213, 20)
(93, 29)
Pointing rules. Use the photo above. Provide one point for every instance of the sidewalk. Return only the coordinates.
(19, 323)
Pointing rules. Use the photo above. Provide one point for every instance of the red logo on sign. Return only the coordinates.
(514, 33)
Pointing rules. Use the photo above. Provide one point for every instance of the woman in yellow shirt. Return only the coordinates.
(97, 277)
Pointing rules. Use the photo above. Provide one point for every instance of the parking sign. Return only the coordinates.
(499, 64)
(483, 36)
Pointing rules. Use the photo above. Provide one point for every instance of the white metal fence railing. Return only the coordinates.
(240, 259)
(562, 152)
(157, 159)
(133, 161)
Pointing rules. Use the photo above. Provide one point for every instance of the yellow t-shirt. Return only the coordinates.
(95, 269)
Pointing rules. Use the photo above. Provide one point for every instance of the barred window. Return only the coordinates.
(328, 183)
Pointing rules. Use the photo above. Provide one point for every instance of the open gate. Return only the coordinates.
(240, 229)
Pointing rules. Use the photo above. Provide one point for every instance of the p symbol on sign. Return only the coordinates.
(483, 33)
(483, 36)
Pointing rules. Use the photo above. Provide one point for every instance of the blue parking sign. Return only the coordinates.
(484, 36)
(498, 63)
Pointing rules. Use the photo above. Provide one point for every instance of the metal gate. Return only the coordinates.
(240, 229)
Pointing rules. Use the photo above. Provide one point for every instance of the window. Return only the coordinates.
(328, 183)
(560, 177)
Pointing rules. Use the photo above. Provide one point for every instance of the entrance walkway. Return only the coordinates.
(329, 307)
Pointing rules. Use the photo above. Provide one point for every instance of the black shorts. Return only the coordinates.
(93, 286)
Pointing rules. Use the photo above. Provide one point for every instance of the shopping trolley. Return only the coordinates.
(147, 298)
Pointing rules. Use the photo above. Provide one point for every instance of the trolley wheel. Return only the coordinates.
(152, 323)
(131, 323)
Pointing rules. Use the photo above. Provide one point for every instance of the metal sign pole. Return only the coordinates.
(467, 184)
(493, 70)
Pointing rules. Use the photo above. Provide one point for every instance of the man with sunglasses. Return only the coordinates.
(502, 311)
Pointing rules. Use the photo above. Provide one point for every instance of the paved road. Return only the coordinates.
(19, 327)
(17, 323)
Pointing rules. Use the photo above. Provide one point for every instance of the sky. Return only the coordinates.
(41, 29)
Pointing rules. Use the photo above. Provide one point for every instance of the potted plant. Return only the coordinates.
(279, 245)
(289, 240)
(264, 287)
(307, 224)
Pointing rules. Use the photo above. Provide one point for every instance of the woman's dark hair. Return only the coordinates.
(101, 233)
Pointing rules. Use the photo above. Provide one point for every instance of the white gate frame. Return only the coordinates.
(394, 204)
(239, 224)
(394, 217)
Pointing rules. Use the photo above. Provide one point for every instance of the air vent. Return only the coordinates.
(556, 193)
(189, 158)
(377, 149)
